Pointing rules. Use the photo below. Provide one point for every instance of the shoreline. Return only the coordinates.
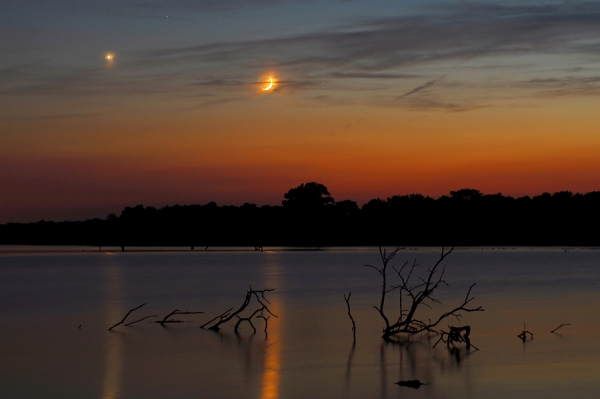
(31, 249)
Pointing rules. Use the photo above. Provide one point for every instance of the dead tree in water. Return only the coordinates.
(261, 312)
(347, 299)
(413, 293)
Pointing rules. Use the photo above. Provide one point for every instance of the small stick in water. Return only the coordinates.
(347, 299)
(137, 321)
(562, 325)
(128, 313)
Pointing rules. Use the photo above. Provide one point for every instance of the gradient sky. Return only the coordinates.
(373, 98)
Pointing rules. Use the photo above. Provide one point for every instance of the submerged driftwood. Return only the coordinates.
(456, 335)
(262, 312)
(524, 334)
(416, 384)
(175, 312)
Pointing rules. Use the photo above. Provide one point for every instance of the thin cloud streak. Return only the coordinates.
(565, 86)
(420, 88)
(365, 75)
(378, 49)
(395, 42)
(51, 117)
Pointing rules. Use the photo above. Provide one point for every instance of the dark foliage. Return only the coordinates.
(310, 217)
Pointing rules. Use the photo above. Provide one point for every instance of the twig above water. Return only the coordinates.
(128, 313)
(562, 325)
(175, 312)
(347, 299)
(137, 321)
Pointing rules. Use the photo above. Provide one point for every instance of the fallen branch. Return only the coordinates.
(221, 316)
(128, 313)
(266, 319)
(562, 325)
(454, 335)
(347, 299)
(259, 295)
(176, 311)
(137, 321)
(248, 319)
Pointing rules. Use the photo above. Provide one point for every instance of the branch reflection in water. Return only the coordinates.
(272, 361)
(114, 340)
(349, 364)
(418, 360)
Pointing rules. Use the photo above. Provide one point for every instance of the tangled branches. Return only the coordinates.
(262, 312)
(414, 292)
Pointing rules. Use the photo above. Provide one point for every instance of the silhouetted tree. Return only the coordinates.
(307, 196)
(347, 207)
(310, 217)
(466, 194)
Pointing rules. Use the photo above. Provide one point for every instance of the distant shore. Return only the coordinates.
(310, 218)
(34, 249)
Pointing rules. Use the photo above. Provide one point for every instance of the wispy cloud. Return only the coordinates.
(120, 6)
(421, 88)
(565, 86)
(51, 117)
(463, 31)
(391, 50)
(366, 75)
(425, 104)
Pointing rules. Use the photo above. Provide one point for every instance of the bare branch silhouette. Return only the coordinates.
(221, 316)
(128, 313)
(262, 312)
(562, 325)
(524, 334)
(347, 299)
(137, 321)
(175, 312)
(416, 293)
(266, 319)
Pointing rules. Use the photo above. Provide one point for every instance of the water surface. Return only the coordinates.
(308, 351)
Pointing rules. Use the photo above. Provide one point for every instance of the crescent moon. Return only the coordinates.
(270, 84)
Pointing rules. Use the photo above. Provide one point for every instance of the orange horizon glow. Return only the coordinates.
(272, 146)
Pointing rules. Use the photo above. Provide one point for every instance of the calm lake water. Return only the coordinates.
(308, 352)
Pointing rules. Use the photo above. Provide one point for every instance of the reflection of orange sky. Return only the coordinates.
(255, 151)
(272, 363)
(568, 372)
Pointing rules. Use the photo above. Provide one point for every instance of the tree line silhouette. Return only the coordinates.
(310, 217)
